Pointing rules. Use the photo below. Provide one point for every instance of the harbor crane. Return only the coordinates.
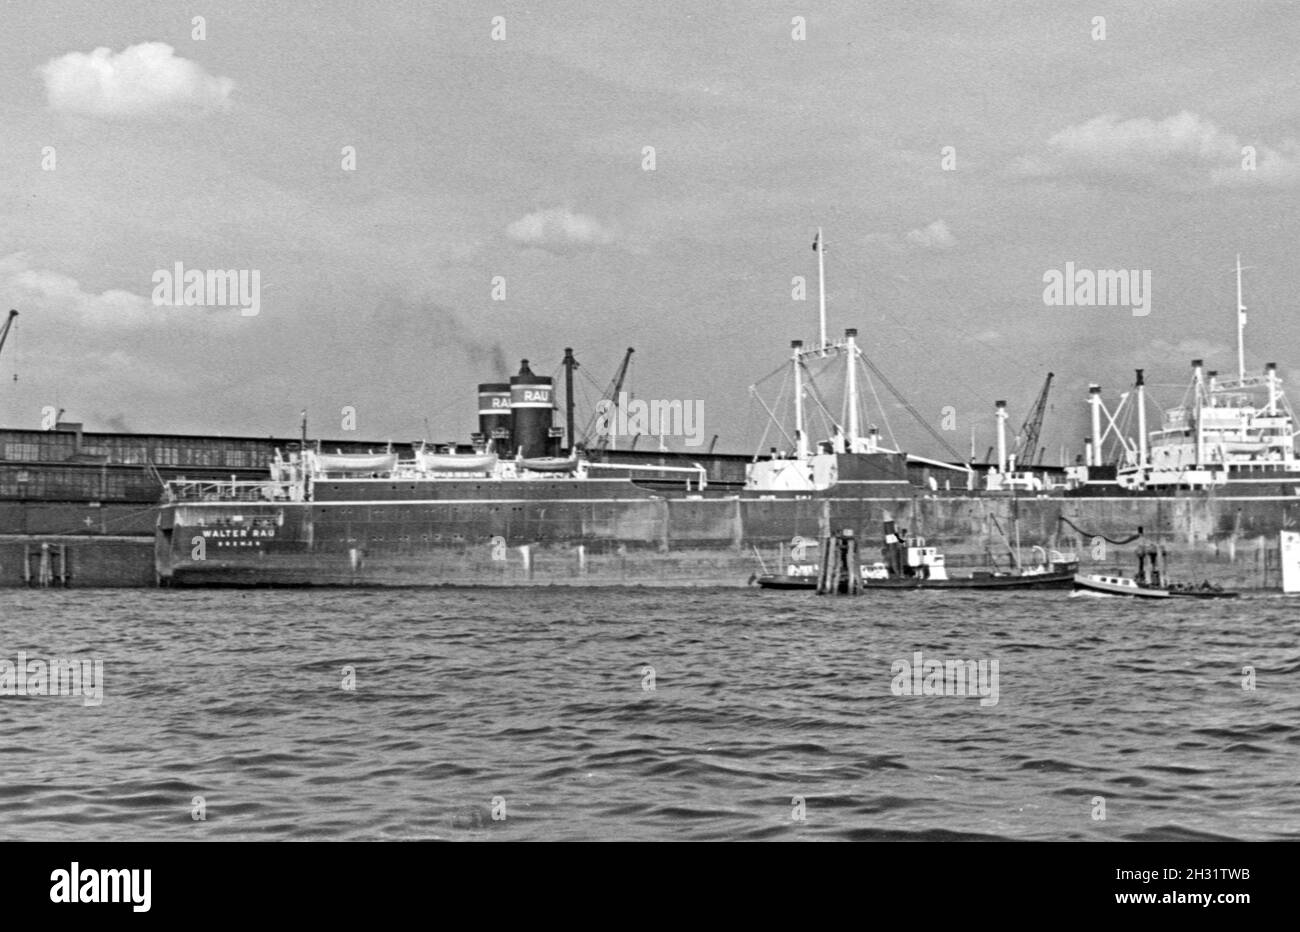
(1027, 437)
(4, 333)
(602, 442)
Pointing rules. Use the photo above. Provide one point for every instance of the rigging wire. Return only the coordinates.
(975, 417)
(908, 405)
(828, 420)
(881, 407)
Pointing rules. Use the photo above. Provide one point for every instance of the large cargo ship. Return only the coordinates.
(1213, 486)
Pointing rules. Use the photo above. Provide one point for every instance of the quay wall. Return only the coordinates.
(76, 562)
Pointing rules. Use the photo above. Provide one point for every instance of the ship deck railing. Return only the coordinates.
(695, 470)
(199, 490)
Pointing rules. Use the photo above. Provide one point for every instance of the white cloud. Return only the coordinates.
(935, 236)
(1215, 354)
(559, 227)
(141, 81)
(44, 292)
(1180, 150)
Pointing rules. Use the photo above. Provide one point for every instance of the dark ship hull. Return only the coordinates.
(506, 532)
(787, 582)
(617, 532)
(996, 582)
(999, 583)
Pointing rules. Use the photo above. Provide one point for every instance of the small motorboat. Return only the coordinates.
(911, 564)
(796, 576)
(1099, 584)
(1151, 582)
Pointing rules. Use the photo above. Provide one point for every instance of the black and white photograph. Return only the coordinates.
(624, 422)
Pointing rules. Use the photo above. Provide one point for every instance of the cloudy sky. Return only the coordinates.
(130, 145)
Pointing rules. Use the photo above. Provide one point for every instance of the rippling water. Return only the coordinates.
(539, 698)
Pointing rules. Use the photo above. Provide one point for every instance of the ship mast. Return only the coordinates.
(801, 438)
(569, 365)
(1142, 420)
(820, 245)
(1240, 324)
(1198, 402)
(851, 388)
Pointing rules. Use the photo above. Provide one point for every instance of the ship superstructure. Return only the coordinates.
(1227, 433)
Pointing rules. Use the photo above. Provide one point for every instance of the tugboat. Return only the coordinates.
(911, 564)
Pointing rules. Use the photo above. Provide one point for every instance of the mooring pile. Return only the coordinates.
(839, 568)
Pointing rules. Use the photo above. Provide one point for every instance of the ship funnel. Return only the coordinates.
(531, 412)
(494, 415)
(893, 549)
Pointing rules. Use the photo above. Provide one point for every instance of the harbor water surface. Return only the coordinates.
(624, 714)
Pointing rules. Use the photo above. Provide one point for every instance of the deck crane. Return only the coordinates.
(4, 333)
(1027, 437)
(602, 442)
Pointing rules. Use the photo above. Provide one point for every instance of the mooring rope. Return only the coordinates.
(1090, 535)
